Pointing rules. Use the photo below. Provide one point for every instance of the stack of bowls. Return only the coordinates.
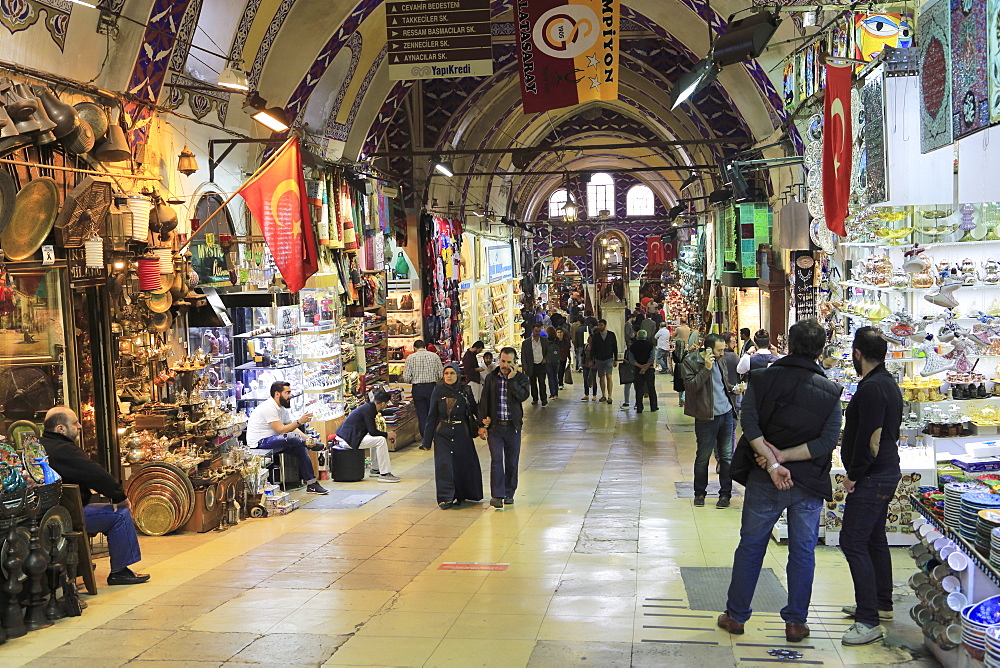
(976, 619)
(993, 646)
(995, 548)
(987, 521)
(953, 492)
(972, 503)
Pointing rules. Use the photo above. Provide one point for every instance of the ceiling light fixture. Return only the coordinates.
(745, 39)
(689, 181)
(677, 210)
(700, 76)
(84, 4)
(234, 79)
(720, 196)
(444, 168)
(187, 164)
(273, 118)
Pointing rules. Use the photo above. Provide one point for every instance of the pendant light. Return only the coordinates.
(149, 273)
(140, 206)
(93, 251)
(187, 164)
(115, 146)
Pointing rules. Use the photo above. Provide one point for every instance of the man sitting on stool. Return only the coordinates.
(270, 427)
(361, 431)
(62, 427)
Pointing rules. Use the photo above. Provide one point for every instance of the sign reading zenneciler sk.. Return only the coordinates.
(435, 39)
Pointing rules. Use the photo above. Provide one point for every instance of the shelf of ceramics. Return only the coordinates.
(929, 246)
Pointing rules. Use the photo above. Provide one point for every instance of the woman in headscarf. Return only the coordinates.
(451, 425)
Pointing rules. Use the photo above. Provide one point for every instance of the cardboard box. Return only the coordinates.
(974, 465)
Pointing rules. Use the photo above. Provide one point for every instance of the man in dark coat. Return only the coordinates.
(534, 352)
(360, 430)
(62, 427)
(501, 413)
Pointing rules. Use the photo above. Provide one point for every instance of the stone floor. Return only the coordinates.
(593, 547)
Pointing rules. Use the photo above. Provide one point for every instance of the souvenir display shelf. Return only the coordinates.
(267, 347)
(485, 329)
(218, 377)
(403, 326)
(322, 356)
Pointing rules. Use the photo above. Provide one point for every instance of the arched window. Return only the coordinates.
(639, 201)
(600, 194)
(557, 201)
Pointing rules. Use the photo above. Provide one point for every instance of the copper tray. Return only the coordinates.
(35, 208)
(153, 482)
(167, 495)
(168, 471)
(154, 516)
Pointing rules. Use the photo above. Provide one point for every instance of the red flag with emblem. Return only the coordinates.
(276, 197)
(837, 147)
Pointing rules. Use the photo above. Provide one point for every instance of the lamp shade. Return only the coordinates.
(166, 259)
(93, 252)
(149, 273)
(140, 206)
(186, 162)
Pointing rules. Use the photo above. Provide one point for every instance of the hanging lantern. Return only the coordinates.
(186, 162)
(140, 206)
(149, 273)
(93, 252)
(166, 259)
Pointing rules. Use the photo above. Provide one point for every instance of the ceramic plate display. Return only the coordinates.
(35, 209)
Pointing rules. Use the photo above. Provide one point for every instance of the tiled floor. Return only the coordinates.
(594, 547)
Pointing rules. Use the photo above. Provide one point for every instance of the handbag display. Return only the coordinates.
(406, 302)
(392, 304)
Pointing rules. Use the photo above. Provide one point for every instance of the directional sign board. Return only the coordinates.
(434, 39)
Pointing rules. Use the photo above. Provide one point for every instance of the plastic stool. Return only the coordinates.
(347, 465)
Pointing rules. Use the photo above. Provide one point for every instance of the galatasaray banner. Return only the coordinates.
(568, 51)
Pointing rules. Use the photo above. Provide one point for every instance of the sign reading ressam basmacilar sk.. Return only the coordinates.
(434, 39)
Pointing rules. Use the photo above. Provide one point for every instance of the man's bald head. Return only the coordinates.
(62, 420)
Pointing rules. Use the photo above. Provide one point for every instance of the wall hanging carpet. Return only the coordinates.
(969, 87)
(873, 104)
(935, 76)
(993, 56)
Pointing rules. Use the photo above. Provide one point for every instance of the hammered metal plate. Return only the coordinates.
(154, 516)
(35, 209)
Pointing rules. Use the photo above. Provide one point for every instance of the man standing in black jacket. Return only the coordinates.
(791, 423)
(62, 427)
(604, 347)
(534, 351)
(361, 430)
(870, 455)
(501, 413)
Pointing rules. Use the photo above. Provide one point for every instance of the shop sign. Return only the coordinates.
(568, 52)
(499, 264)
(79, 272)
(438, 39)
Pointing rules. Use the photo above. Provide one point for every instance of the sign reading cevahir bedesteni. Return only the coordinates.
(568, 51)
(435, 39)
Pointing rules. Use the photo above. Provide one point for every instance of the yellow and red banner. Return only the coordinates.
(568, 51)
(276, 197)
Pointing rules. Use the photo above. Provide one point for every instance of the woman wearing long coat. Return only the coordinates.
(451, 424)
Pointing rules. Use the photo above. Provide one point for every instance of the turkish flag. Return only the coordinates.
(654, 250)
(837, 146)
(276, 196)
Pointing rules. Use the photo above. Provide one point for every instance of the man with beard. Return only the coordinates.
(270, 427)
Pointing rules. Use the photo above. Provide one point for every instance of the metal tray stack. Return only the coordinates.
(162, 498)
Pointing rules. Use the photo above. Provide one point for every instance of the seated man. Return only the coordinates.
(62, 427)
(270, 427)
(360, 430)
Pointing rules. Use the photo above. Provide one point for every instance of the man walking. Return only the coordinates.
(604, 348)
(501, 412)
(471, 370)
(871, 431)
(791, 423)
(682, 332)
(423, 370)
(710, 402)
(643, 356)
(534, 356)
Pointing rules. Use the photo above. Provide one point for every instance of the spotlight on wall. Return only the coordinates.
(720, 196)
(273, 118)
(234, 79)
(690, 181)
(700, 76)
(745, 39)
(677, 210)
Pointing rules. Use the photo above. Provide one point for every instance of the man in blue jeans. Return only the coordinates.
(711, 402)
(501, 412)
(62, 427)
(791, 424)
(870, 455)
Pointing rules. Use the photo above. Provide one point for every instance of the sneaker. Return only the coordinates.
(585, 398)
(373, 473)
(723, 502)
(317, 447)
(851, 610)
(508, 501)
(496, 502)
(625, 405)
(544, 404)
(699, 501)
(316, 488)
(387, 477)
(862, 634)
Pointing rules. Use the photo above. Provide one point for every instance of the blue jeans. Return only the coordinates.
(864, 544)
(761, 509)
(123, 545)
(295, 445)
(661, 360)
(505, 452)
(715, 435)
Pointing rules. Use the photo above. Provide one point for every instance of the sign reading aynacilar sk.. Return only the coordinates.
(438, 39)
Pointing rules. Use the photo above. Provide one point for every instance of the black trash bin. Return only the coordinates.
(347, 465)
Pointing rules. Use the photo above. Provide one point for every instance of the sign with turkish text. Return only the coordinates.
(438, 39)
(837, 147)
(568, 52)
(276, 197)
(499, 263)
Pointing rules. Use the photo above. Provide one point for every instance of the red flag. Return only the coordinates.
(837, 147)
(276, 196)
(654, 250)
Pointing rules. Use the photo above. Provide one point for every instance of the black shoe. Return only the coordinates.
(723, 502)
(534, 402)
(638, 410)
(699, 501)
(509, 501)
(423, 448)
(496, 502)
(317, 447)
(544, 404)
(655, 409)
(316, 488)
(126, 577)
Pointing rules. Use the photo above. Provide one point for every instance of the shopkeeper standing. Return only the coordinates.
(423, 370)
(270, 427)
(62, 427)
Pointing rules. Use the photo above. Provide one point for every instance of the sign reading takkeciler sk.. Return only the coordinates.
(434, 39)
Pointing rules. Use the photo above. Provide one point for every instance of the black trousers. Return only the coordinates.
(538, 375)
(645, 385)
(422, 402)
(865, 546)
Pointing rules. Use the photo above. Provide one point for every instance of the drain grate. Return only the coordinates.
(707, 588)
